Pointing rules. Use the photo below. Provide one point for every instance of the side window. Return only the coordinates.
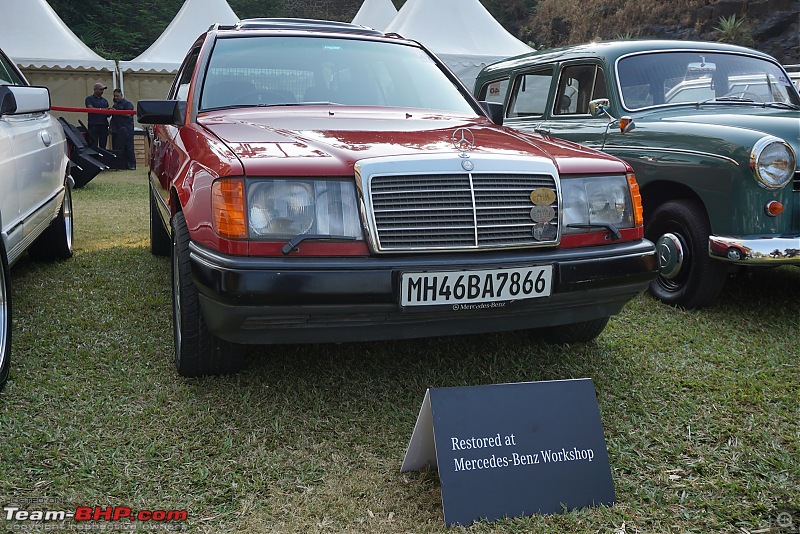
(184, 77)
(494, 91)
(579, 85)
(529, 94)
(8, 75)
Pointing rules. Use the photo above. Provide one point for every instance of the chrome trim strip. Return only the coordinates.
(672, 150)
(755, 251)
(474, 208)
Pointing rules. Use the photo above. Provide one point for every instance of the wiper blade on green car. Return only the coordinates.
(782, 105)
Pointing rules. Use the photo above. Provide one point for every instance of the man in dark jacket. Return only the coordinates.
(122, 130)
(97, 122)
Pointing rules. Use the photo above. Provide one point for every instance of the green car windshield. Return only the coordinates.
(284, 70)
(680, 77)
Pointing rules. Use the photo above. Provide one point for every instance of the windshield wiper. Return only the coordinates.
(291, 245)
(782, 105)
(297, 104)
(608, 226)
(726, 99)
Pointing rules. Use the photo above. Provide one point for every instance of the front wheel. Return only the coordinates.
(197, 351)
(5, 317)
(567, 334)
(55, 243)
(688, 276)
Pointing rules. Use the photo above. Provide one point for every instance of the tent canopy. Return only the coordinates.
(34, 36)
(167, 52)
(461, 32)
(376, 14)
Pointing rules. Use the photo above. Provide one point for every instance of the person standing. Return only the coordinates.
(97, 123)
(122, 129)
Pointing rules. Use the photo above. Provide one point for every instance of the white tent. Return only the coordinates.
(51, 55)
(36, 37)
(150, 74)
(376, 14)
(461, 32)
(167, 52)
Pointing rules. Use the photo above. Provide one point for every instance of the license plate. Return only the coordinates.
(459, 287)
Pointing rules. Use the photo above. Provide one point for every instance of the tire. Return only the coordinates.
(160, 240)
(567, 334)
(5, 317)
(55, 243)
(197, 352)
(688, 276)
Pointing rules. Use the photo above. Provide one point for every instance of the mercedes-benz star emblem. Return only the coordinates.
(463, 140)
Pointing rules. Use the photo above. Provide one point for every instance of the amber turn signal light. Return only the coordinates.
(773, 208)
(228, 208)
(636, 197)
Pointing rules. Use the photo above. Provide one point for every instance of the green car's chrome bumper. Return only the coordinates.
(767, 250)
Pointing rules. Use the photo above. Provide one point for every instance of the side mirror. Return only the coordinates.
(494, 110)
(161, 112)
(599, 107)
(19, 99)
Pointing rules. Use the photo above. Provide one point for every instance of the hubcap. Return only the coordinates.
(670, 255)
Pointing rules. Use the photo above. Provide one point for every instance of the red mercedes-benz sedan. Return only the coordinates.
(322, 182)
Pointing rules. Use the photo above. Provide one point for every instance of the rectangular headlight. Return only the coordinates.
(285, 208)
(596, 200)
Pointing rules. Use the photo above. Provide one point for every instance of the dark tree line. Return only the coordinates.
(124, 29)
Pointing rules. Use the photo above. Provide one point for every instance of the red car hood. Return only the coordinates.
(329, 140)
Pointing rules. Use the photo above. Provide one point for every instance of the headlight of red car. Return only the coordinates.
(597, 200)
(279, 209)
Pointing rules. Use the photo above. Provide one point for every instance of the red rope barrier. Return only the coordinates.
(96, 111)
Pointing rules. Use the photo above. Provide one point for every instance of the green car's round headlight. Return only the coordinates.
(772, 161)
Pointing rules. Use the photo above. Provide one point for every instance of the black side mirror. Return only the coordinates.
(161, 112)
(494, 110)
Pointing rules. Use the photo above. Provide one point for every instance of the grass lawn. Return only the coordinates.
(701, 410)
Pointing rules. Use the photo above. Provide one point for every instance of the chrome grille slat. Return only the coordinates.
(455, 211)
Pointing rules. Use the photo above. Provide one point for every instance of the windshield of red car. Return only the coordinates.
(282, 70)
(680, 77)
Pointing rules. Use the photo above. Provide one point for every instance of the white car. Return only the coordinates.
(794, 74)
(35, 187)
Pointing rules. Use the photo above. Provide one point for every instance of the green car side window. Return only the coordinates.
(529, 95)
(494, 91)
(579, 85)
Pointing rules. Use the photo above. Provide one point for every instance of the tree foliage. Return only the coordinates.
(124, 29)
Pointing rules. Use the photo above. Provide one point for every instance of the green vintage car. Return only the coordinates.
(712, 131)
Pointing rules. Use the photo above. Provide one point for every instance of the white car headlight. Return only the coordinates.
(598, 200)
(280, 209)
(773, 162)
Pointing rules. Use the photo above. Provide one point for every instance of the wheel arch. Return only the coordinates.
(657, 193)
